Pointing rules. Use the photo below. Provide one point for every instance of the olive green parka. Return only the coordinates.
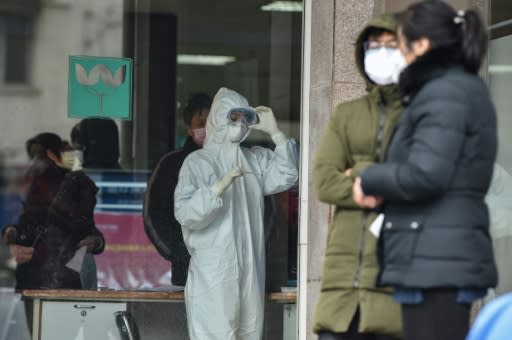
(356, 136)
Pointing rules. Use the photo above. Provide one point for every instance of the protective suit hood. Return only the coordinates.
(224, 229)
(217, 122)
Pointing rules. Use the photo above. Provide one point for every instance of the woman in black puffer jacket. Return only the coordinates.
(435, 248)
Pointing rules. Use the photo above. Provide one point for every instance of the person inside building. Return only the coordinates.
(95, 142)
(98, 140)
(350, 305)
(160, 224)
(73, 159)
(219, 201)
(436, 251)
(57, 219)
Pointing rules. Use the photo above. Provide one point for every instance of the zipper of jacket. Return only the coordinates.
(378, 147)
(361, 250)
(380, 129)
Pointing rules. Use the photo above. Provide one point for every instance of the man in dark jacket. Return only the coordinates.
(159, 223)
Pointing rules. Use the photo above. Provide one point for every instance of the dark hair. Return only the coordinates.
(464, 32)
(65, 146)
(375, 32)
(98, 138)
(196, 103)
(76, 137)
(42, 142)
(34, 149)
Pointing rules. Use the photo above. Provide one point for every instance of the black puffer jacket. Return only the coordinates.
(437, 172)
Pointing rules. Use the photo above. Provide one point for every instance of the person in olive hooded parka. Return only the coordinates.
(57, 219)
(357, 134)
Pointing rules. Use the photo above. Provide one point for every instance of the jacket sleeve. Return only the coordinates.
(88, 191)
(331, 160)
(100, 246)
(195, 205)
(279, 167)
(160, 226)
(438, 121)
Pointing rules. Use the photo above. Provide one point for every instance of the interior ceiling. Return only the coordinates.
(501, 10)
(214, 7)
(217, 27)
(237, 28)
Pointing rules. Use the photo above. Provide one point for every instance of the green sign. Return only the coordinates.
(100, 87)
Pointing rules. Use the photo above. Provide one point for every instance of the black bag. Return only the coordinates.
(127, 326)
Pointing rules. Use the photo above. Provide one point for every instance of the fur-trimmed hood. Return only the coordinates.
(425, 68)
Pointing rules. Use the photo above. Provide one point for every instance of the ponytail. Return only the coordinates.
(462, 32)
(474, 41)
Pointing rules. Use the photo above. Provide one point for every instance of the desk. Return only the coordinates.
(40, 297)
(289, 313)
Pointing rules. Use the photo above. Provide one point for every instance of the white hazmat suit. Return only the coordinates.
(219, 203)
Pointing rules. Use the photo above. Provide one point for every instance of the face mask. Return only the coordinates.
(79, 159)
(68, 159)
(237, 132)
(384, 65)
(72, 160)
(199, 135)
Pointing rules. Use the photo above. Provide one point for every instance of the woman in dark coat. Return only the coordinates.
(57, 219)
(435, 248)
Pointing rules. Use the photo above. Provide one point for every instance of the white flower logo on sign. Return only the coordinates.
(92, 81)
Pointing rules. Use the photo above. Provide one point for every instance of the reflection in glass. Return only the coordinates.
(178, 48)
(499, 197)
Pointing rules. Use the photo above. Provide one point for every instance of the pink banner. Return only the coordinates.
(129, 261)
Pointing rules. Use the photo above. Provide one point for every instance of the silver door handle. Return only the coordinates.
(85, 307)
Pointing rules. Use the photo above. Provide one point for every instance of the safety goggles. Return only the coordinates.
(242, 114)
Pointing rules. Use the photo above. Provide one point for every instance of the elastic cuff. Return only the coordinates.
(365, 192)
(217, 189)
(279, 137)
(100, 246)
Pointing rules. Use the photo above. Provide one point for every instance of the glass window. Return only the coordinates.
(15, 42)
(500, 193)
(93, 197)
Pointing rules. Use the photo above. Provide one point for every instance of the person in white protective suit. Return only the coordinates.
(219, 203)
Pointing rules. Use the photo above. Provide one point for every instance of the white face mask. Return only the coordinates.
(384, 65)
(68, 158)
(237, 132)
(72, 160)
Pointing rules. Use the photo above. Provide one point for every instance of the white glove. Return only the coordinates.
(268, 121)
(221, 186)
(268, 124)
